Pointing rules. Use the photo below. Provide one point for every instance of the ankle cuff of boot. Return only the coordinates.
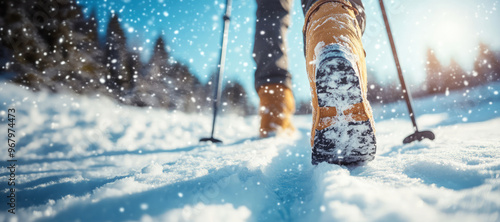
(318, 4)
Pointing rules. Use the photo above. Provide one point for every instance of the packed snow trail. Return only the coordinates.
(90, 159)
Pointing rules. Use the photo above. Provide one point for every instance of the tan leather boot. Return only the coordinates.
(343, 130)
(277, 106)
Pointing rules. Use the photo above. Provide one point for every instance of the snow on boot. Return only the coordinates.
(343, 130)
(277, 106)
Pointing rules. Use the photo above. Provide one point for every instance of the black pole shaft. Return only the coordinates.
(222, 58)
(407, 95)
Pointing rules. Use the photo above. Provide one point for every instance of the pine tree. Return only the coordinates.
(83, 60)
(59, 49)
(150, 87)
(380, 93)
(374, 89)
(48, 48)
(235, 99)
(187, 92)
(486, 66)
(158, 65)
(117, 56)
(92, 25)
(88, 28)
(135, 67)
(90, 51)
(455, 76)
(434, 78)
(25, 38)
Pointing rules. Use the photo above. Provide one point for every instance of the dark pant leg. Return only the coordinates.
(269, 49)
(361, 17)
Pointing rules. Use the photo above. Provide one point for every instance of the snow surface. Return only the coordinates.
(90, 159)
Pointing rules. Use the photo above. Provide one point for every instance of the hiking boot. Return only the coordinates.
(343, 130)
(277, 106)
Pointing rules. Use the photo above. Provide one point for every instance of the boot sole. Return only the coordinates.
(337, 85)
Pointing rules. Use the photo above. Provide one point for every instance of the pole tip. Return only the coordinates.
(211, 139)
(419, 136)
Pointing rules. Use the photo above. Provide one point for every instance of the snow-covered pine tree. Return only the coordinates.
(134, 66)
(51, 47)
(117, 57)
(188, 90)
(150, 84)
(25, 44)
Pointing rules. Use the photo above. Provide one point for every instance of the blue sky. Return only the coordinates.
(192, 31)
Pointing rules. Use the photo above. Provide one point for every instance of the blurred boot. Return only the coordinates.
(277, 106)
(343, 130)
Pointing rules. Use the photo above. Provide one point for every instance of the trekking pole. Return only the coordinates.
(418, 135)
(218, 78)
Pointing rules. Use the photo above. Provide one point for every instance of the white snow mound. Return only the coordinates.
(90, 159)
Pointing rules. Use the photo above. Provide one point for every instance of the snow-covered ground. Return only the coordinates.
(90, 159)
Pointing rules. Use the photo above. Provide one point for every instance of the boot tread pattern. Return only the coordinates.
(338, 85)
